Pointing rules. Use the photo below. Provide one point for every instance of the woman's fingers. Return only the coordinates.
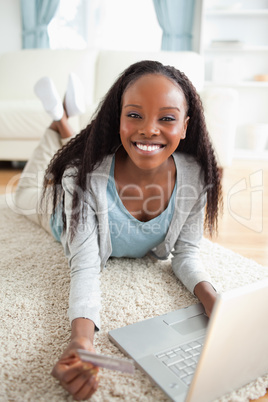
(88, 389)
(78, 380)
(68, 373)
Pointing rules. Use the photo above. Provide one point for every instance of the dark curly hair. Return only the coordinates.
(101, 137)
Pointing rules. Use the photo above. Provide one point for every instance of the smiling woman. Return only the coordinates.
(138, 180)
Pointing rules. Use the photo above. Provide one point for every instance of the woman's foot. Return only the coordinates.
(47, 93)
(62, 127)
(74, 103)
(74, 100)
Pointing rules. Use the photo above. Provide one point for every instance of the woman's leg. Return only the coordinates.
(30, 187)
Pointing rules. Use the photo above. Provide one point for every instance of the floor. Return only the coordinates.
(243, 226)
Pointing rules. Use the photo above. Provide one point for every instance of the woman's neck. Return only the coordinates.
(126, 172)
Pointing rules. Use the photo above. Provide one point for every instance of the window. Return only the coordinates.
(106, 24)
(68, 27)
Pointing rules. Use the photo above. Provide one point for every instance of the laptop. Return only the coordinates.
(196, 359)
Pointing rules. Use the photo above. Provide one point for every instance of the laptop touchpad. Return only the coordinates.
(192, 324)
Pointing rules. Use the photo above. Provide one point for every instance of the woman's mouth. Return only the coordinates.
(148, 147)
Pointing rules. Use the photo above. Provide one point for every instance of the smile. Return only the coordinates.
(147, 147)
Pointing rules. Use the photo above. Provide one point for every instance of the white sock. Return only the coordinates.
(75, 96)
(47, 93)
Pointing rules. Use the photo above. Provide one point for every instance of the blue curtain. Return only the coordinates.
(36, 15)
(176, 20)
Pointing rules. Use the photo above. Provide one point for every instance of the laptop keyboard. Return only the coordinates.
(182, 360)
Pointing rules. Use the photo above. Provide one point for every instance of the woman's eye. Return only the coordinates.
(134, 115)
(167, 118)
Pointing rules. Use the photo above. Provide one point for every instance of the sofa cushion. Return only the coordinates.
(22, 119)
(19, 71)
(26, 120)
(111, 64)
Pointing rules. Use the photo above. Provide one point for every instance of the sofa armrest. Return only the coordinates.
(221, 109)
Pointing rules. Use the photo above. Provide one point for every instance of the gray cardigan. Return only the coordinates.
(91, 247)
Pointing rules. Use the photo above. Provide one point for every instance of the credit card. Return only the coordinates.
(112, 363)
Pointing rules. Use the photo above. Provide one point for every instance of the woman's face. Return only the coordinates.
(153, 120)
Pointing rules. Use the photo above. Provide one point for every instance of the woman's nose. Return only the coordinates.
(149, 129)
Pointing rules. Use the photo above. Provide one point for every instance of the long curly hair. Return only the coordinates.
(101, 137)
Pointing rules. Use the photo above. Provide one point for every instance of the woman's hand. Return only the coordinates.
(78, 378)
(205, 292)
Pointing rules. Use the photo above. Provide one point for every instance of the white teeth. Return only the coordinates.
(148, 148)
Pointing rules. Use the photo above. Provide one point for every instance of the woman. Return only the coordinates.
(139, 179)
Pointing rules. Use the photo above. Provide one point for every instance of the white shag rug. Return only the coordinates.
(34, 329)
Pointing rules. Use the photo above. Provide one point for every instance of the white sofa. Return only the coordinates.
(23, 120)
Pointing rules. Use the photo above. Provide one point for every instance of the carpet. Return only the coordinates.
(35, 329)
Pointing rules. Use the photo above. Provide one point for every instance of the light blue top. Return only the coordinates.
(56, 224)
(129, 236)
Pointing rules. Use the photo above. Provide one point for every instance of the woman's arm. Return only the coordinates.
(83, 254)
(186, 261)
(205, 292)
(82, 327)
(80, 379)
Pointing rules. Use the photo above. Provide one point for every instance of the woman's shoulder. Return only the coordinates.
(72, 171)
(190, 170)
(105, 165)
(187, 161)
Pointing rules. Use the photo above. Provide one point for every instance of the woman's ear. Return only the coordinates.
(186, 121)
